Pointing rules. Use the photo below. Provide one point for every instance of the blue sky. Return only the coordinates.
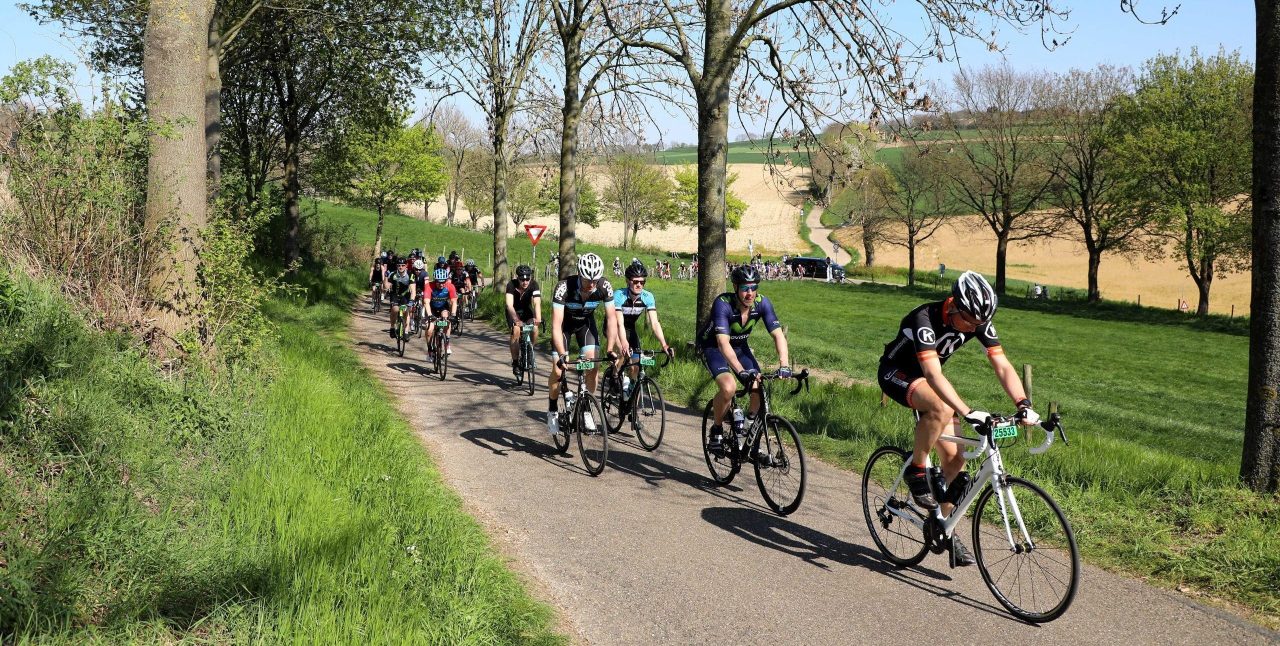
(1102, 34)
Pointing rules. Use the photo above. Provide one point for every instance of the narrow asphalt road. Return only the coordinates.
(818, 235)
(650, 553)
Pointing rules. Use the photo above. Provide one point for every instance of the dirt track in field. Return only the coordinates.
(650, 553)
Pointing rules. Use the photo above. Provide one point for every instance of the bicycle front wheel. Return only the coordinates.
(401, 342)
(779, 460)
(611, 401)
(593, 435)
(1034, 579)
(649, 414)
(528, 368)
(722, 464)
(442, 358)
(885, 502)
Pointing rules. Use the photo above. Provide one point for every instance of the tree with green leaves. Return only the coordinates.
(912, 193)
(1184, 143)
(685, 199)
(383, 167)
(639, 196)
(1086, 177)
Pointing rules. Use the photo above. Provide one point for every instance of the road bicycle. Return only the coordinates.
(769, 442)
(1024, 546)
(525, 364)
(462, 308)
(438, 346)
(640, 402)
(580, 413)
(377, 298)
(402, 327)
(469, 308)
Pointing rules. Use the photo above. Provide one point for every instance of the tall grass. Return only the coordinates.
(1153, 402)
(289, 505)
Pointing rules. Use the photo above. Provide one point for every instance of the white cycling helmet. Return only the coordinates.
(441, 275)
(417, 264)
(590, 267)
(973, 295)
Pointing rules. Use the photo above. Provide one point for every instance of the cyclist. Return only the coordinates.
(477, 277)
(441, 263)
(460, 278)
(524, 306)
(630, 303)
(400, 289)
(911, 374)
(723, 342)
(573, 307)
(377, 273)
(442, 302)
(617, 266)
(420, 279)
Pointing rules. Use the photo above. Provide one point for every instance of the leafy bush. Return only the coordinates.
(77, 182)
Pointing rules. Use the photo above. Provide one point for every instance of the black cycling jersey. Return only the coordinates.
(926, 332)
(474, 273)
(579, 308)
(523, 303)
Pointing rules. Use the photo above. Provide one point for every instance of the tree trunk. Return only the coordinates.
(911, 262)
(571, 114)
(1095, 261)
(1260, 463)
(1002, 253)
(451, 204)
(1202, 286)
(292, 190)
(213, 104)
(501, 272)
(175, 44)
(868, 246)
(377, 240)
(713, 144)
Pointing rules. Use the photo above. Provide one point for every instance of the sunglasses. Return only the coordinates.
(638, 281)
(524, 280)
(748, 288)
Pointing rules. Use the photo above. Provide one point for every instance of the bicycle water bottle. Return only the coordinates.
(568, 401)
(939, 483)
(959, 487)
(626, 385)
(739, 420)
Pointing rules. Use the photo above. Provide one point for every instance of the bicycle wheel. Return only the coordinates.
(778, 456)
(723, 467)
(1037, 581)
(593, 434)
(442, 358)
(611, 401)
(435, 353)
(457, 324)
(901, 540)
(649, 414)
(401, 342)
(529, 368)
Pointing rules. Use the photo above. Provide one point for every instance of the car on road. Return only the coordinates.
(816, 267)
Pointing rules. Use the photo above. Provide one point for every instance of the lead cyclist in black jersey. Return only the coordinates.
(911, 374)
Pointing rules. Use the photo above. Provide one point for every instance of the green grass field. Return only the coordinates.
(1153, 404)
(289, 505)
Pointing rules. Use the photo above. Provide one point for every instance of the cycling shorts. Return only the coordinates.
(525, 315)
(440, 312)
(899, 383)
(718, 364)
(587, 335)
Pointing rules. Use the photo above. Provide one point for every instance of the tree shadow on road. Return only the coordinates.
(373, 345)
(814, 547)
(483, 379)
(413, 368)
(503, 442)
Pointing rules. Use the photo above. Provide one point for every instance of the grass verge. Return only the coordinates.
(289, 503)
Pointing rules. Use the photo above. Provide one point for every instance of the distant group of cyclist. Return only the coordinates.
(910, 369)
(428, 293)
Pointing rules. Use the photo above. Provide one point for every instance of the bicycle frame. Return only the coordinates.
(992, 472)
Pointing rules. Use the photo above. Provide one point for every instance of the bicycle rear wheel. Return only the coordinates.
(723, 466)
(1035, 581)
(779, 460)
(593, 434)
(400, 340)
(900, 540)
(649, 414)
(611, 401)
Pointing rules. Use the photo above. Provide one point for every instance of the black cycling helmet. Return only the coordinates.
(524, 271)
(636, 270)
(973, 295)
(453, 255)
(745, 274)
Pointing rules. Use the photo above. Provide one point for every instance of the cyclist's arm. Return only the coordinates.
(1007, 374)
(537, 310)
(511, 307)
(780, 344)
(557, 335)
(613, 323)
(656, 327)
(413, 290)
(932, 368)
(730, 357)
